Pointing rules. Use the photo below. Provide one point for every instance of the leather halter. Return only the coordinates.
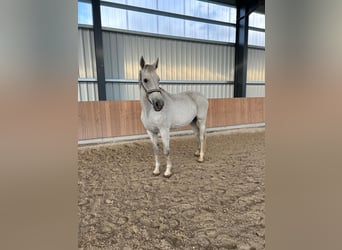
(148, 91)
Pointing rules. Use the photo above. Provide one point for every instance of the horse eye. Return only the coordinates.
(145, 80)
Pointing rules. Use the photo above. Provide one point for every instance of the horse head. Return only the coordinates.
(149, 82)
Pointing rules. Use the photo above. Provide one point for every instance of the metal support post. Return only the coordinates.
(99, 49)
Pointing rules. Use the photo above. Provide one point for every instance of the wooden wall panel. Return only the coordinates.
(117, 118)
(89, 120)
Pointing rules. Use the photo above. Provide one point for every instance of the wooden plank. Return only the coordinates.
(124, 117)
(234, 111)
(115, 123)
(89, 119)
(105, 111)
(117, 118)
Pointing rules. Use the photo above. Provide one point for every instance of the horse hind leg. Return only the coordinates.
(202, 137)
(202, 106)
(196, 130)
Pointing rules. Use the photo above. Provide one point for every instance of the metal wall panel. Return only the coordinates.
(87, 91)
(255, 91)
(131, 91)
(86, 54)
(256, 65)
(122, 91)
(211, 90)
(178, 59)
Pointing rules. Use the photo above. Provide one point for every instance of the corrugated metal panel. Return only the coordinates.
(87, 91)
(255, 91)
(209, 90)
(256, 65)
(122, 91)
(178, 60)
(130, 91)
(86, 54)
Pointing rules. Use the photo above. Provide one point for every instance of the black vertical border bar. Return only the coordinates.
(241, 49)
(97, 26)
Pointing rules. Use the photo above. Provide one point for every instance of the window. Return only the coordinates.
(221, 33)
(256, 33)
(140, 21)
(257, 20)
(171, 26)
(85, 13)
(173, 6)
(150, 4)
(113, 17)
(256, 38)
(189, 19)
(161, 21)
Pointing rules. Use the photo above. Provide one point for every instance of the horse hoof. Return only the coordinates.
(200, 160)
(156, 174)
(167, 176)
(197, 153)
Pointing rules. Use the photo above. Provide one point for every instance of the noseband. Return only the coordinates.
(148, 91)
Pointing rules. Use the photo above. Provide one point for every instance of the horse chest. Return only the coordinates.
(153, 120)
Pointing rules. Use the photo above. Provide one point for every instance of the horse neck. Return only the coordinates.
(143, 99)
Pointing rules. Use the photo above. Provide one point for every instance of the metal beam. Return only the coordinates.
(241, 49)
(243, 9)
(99, 49)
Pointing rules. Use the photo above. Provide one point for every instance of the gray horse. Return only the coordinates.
(162, 111)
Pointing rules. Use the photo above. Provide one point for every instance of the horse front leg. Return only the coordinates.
(165, 135)
(154, 139)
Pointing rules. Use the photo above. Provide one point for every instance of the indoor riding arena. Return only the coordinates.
(216, 48)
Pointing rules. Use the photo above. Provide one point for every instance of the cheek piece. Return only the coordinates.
(147, 91)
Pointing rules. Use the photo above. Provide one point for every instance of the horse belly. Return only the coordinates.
(183, 117)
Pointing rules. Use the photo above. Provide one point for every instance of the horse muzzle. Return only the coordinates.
(158, 105)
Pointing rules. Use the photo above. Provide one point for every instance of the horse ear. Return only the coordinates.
(156, 63)
(142, 62)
